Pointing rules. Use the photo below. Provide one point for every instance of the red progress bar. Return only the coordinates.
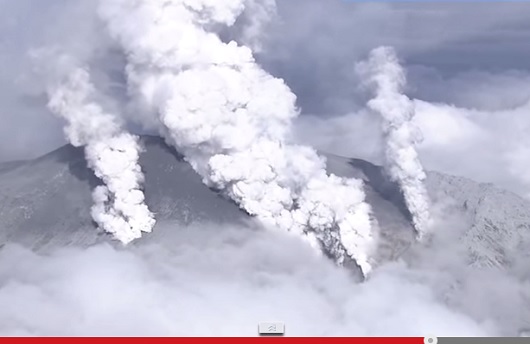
(196, 340)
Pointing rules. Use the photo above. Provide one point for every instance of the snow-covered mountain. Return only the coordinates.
(45, 203)
(497, 221)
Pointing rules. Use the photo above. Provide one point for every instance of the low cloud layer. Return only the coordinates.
(487, 146)
(211, 280)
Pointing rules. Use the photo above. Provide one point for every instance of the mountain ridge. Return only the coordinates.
(45, 203)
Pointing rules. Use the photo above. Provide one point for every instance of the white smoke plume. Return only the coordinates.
(112, 153)
(385, 75)
(232, 120)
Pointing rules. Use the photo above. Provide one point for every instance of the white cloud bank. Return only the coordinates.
(207, 280)
(486, 146)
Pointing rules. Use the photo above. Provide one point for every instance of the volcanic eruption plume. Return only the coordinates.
(383, 73)
(112, 153)
(231, 120)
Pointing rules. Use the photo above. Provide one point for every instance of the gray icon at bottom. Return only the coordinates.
(430, 340)
(271, 329)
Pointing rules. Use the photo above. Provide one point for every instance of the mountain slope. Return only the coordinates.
(499, 220)
(45, 203)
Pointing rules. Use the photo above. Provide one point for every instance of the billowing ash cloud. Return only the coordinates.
(385, 75)
(112, 153)
(231, 120)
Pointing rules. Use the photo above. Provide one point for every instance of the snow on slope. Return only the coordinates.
(499, 220)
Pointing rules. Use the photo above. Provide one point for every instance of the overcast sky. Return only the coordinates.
(462, 55)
